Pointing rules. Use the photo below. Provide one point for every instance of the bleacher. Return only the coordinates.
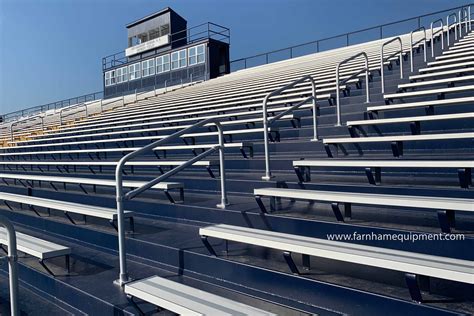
(204, 238)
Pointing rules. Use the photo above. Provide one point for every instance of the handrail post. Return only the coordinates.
(267, 122)
(411, 45)
(12, 264)
(315, 110)
(11, 131)
(469, 16)
(382, 60)
(121, 197)
(338, 102)
(224, 200)
(455, 27)
(367, 90)
(268, 174)
(123, 276)
(432, 36)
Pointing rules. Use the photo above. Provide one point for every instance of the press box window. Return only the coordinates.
(162, 64)
(118, 75)
(182, 58)
(124, 74)
(108, 78)
(148, 67)
(175, 60)
(196, 55)
(134, 71)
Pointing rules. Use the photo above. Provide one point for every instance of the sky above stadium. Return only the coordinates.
(52, 49)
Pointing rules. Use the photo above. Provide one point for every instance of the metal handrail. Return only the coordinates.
(316, 43)
(12, 258)
(455, 27)
(382, 60)
(102, 104)
(434, 33)
(121, 197)
(70, 108)
(338, 82)
(41, 116)
(466, 17)
(267, 122)
(417, 42)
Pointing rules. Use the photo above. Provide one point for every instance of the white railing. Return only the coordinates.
(121, 196)
(441, 29)
(338, 82)
(416, 43)
(267, 122)
(382, 59)
(12, 258)
(34, 118)
(455, 23)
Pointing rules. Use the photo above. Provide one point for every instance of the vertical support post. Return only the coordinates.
(469, 16)
(123, 276)
(367, 90)
(224, 200)
(12, 264)
(442, 35)
(338, 102)
(268, 174)
(315, 111)
(382, 60)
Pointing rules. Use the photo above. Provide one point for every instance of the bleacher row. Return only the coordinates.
(79, 157)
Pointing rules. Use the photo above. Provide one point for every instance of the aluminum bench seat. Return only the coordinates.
(414, 121)
(252, 120)
(455, 55)
(208, 164)
(446, 81)
(395, 140)
(455, 50)
(438, 92)
(450, 60)
(67, 207)
(303, 167)
(455, 72)
(445, 206)
(165, 186)
(185, 300)
(272, 130)
(422, 104)
(242, 146)
(37, 247)
(437, 68)
(412, 264)
(158, 120)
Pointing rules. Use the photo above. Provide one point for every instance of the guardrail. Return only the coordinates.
(382, 59)
(455, 28)
(54, 105)
(338, 82)
(441, 29)
(12, 258)
(41, 117)
(416, 43)
(267, 122)
(121, 196)
(341, 40)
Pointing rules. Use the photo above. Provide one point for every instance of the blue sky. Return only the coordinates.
(52, 49)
